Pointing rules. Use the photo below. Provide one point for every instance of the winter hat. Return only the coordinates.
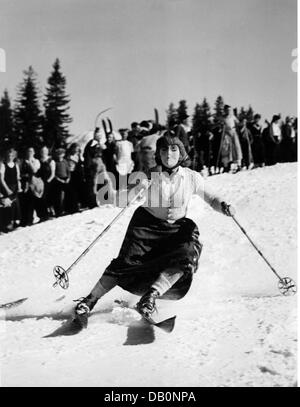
(170, 139)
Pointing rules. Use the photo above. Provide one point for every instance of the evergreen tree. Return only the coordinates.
(6, 123)
(56, 103)
(219, 111)
(242, 114)
(171, 115)
(250, 114)
(202, 117)
(205, 114)
(181, 111)
(196, 119)
(27, 113)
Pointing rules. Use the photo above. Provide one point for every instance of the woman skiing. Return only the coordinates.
(160, 251)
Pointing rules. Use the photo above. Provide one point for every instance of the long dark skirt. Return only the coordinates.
(151, 246)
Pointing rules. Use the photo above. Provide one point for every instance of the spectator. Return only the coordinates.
(10, 187)
(246, 141)
(134, 137)
(60, 182)
(182, 130)
(258, 147)
(109, 154)
(273, 140)
(47, 174)
(90, 148)
(29, 168)
(289, 144)
(74, 189)
(146, 151)
(231, 151)
(124, 162)
(98, 179)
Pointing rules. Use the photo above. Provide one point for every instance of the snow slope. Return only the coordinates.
(233, 328)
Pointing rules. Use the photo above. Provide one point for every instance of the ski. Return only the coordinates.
(167, 325)
(156, 117)
(99, 114)
(13, 304)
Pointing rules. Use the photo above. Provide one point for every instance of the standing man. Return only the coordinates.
(124, 162)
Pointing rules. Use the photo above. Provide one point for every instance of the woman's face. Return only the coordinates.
(44, 152)
(30, 153)
(10, 156)
(169, 155)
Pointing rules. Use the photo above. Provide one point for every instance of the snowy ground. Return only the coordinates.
(232, 329)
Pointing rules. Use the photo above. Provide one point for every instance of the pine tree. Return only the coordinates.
(181, 111)
(202, 117)
(250, 114)
(27, 113)
(56, 103)
(242, 114)
(205, 114)
(171, 115)
(219, 111)
(6, 123)
(196, 119)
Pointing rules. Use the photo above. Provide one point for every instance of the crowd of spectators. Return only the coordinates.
(40, 186)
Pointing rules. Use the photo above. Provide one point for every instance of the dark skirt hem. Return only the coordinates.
(152, 245)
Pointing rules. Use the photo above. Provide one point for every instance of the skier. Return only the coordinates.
(161, 249)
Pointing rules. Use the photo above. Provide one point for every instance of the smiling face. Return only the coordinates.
(170, 155)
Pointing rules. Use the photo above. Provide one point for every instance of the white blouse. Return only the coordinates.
(168, 196)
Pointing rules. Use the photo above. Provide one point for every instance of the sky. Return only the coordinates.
(137, 55)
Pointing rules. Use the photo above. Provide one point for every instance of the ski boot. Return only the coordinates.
(83, 309)
(146, 305)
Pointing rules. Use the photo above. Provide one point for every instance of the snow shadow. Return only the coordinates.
(69, 328)
(139, 333)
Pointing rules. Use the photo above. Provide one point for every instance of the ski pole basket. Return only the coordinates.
(61, 277)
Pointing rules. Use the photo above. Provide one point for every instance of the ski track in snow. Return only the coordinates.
(232, 329)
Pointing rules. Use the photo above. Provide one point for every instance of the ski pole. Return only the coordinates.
(99, 114)
(286, 285)
(61, 275)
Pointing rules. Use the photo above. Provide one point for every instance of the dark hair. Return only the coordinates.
(145, 124)
(134, 125)
(169, 139)
(275, 118)
(257, 116)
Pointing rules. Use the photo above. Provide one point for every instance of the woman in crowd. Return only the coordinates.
(74, 191)
(47, 174)
(29, 168)
(258, 147)
(60, 182)
(10, 186)
(246, 141)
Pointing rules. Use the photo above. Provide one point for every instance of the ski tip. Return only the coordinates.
(167, 325)
(13, 304)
